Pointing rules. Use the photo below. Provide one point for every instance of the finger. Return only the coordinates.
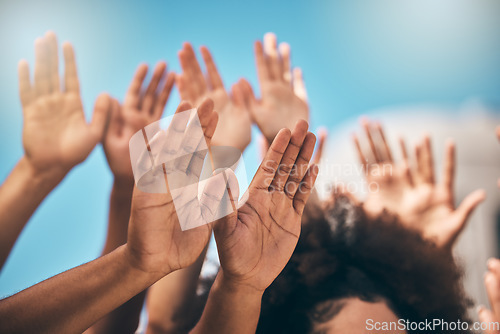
(115, 119)
(247, 91)
(427, 160)
(284, 49)
(237, 95)
(487, 317)
(449, 166)
(100, 117)
(404, 152)
(469, 204)
(272, 59)
(361, 156)
(26, 92)
(150, 96)
(164, 95)
(493, 265)
(493, 290)
(133, 96)
(365, 123)
(407, 173)
(263, 146)
(306, 186)
(53, 57)
(185, 89)
(269, 166)
(262, 69)
(322, 135)
(190, 64)
(387, 150)
(214, 79)
(42, 83)
(299, 87)
(301, 165)
(288, 160)
(498, 132)
(71, 82)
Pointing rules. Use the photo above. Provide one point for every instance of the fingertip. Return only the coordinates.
(50, 34)
(183, 106)
(301, 125)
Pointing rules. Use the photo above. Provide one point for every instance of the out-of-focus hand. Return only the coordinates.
(491, 317)
(140, 108)
(412, 192)
(234, 127)
(255, 243)
(156, 243)
(283, 94)
(56, 136)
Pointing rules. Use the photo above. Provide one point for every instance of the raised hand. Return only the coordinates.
(56, 136)
(490, 318)
(234, 127)
(156, 242)
(412, 192)
(140, 108)
(283, 95)
(256, 243)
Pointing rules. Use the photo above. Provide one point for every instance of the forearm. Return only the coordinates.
(72, 301)
(170, 301)
(230, 309)
(20, 195)
(125, 318)
(119, 214)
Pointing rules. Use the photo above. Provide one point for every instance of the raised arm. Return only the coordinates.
(140, 108)
(156, 246)
(56, 136)
(256, 242)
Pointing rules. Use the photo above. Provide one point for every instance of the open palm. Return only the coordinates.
(412, 192)
(283, 99)
(234, 126)
(140, 108)
(256, 243)
(56, 135)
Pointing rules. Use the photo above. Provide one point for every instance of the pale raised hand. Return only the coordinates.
(156, 242)
(412, 192)
(140, 108)
(56, 136)
(283, 95)
(234, 127)
(255, 243)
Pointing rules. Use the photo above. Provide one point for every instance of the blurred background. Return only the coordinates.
(422, 65)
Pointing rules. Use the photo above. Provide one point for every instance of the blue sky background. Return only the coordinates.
(356, 56)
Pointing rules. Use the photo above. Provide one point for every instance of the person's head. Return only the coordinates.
(349, 274)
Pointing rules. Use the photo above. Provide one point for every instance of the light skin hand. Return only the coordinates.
(283, 95)
(56, 136)
(234, 127)
(412, 192)
(141, 107)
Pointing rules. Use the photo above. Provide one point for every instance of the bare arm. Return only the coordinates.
(56, 136)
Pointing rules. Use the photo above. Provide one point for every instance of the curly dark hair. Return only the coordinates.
(343, 255)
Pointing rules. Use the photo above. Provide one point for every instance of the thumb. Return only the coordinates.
(100, 116)
(469, 204)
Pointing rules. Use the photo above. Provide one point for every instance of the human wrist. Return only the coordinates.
(135, 265)
(229, 285)
(42, 179)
